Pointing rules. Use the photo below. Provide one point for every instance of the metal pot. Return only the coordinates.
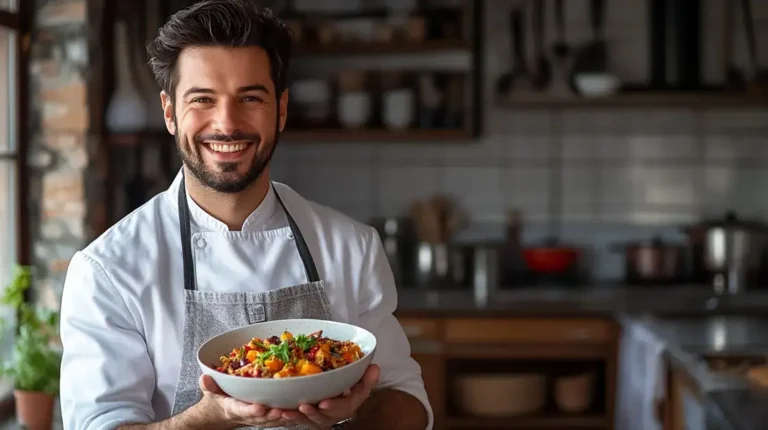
(653, 261)
(731, 246)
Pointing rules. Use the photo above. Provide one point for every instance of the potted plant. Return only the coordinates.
(34, 365)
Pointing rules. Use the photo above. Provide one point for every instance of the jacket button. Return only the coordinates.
(201, 243)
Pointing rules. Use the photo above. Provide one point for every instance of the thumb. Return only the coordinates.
(208, 385)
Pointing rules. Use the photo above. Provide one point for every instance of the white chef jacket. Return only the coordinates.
(122, 310)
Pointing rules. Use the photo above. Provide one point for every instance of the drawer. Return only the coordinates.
(529, 330)
(420, 328)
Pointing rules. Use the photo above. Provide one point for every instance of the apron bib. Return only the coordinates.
(208, 314)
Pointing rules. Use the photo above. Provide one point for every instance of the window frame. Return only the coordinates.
(20, 21)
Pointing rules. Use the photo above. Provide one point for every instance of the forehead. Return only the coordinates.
(223, 68)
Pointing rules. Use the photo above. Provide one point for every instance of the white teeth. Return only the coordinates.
(219, 147)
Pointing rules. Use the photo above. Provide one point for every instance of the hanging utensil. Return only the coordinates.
(542, 74)
(518, 75)
(561, 49)
(759, 77)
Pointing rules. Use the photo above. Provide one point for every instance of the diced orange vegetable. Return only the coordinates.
(251, 356)
(349, 356)
(274, 364)
(286, 336)
(308, 368)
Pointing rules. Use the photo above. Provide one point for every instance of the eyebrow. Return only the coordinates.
(245, 89)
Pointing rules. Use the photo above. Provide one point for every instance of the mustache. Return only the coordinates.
(234, 137)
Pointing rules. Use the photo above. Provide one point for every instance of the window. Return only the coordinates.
(11, 158)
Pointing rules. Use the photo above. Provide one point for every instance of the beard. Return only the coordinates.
(226, 179)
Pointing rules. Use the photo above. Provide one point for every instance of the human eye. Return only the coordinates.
(201, 100)
(252, 99)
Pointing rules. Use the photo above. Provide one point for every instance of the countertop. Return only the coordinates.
(606, 300)
(688, 340)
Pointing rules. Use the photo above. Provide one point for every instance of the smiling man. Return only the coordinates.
(225, 247)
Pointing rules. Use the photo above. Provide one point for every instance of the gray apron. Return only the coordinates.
(207, 314)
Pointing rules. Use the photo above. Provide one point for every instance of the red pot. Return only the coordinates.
(554, 259)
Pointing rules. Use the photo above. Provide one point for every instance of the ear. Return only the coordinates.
(165, 99)
(283, 108)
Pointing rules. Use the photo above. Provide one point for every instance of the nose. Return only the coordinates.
(225, 120)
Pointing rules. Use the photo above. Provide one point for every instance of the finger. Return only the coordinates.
(245, 410)
(208, 385)
(314, 414)
(372, 375)
(297, 417)
(273, 414)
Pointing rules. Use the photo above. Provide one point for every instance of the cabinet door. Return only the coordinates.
(433, 373)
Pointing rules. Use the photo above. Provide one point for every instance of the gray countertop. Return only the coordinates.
(605, 300)
(688, 340)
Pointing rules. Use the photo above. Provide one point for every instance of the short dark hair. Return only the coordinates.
(230, 23)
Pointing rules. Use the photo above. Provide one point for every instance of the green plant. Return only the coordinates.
(35, 361)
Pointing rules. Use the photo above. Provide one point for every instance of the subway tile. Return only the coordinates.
(669, 186)
(473, 186)
(527, 147)
(617, 185)
(335, 185)
(647, 147)
(357, 152)
(485, 152)
(407, 153)
(399, 186)
(728, 188)
(526, 189)
(580, 146)
(722, 147)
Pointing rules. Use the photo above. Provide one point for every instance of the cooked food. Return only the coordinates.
(288, 356)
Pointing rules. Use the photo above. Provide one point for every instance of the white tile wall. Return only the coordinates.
(631, 167)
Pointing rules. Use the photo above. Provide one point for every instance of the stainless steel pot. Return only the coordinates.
(731, 247)
(653, 261)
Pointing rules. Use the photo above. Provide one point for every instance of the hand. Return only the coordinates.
(235, 412)
(331, 411)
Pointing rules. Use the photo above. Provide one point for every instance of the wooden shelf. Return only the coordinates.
(367, 49)
(362, 135)
(635, 99)
(561, 422)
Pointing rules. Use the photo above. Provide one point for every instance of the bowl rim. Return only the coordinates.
(227, 376)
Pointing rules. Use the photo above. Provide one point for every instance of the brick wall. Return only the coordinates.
(58, 151)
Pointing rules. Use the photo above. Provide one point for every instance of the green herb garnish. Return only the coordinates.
(305, 342)
(280, 351)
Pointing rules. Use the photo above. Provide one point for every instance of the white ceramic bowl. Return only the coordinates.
(287, 393)
(597, 85)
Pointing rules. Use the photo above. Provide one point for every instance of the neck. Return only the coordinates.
(230, 208)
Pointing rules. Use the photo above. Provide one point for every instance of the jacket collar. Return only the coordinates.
(205, 222)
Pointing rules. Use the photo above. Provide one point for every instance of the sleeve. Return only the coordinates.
(107, 378)
(378, 301)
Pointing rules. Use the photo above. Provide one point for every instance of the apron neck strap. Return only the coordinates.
(186, 239)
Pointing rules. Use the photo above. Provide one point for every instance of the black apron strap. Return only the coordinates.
(301, 244)
(186, 237)
(186, 240)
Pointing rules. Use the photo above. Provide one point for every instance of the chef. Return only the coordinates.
(225, 247)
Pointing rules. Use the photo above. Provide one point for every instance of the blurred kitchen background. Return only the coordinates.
(539, 168)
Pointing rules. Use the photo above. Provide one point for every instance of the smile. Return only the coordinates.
(226, 147)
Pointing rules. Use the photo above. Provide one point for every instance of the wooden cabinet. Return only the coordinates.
(448, 347)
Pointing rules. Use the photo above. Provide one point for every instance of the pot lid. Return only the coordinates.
(731, 220)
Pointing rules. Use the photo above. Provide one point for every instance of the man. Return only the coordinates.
(224, 247)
